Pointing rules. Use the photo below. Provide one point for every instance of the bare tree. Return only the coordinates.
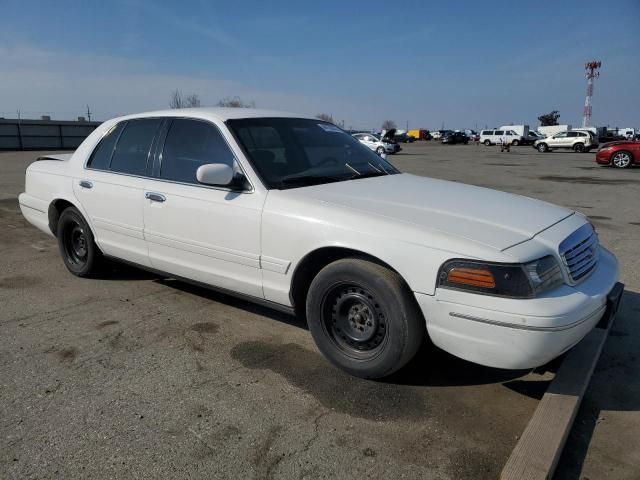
(192, 101)
(176, 99)
(388, 125)
(235, 102)
(325, 117)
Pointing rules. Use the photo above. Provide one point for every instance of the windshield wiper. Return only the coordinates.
(375, 173)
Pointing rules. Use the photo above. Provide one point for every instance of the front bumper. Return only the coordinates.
(603, 157)
(524, 333)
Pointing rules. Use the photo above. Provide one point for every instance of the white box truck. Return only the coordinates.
(522, 130)
(551, 130)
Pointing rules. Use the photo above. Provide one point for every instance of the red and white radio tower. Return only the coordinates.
(592, 72)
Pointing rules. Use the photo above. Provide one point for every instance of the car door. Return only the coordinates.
(111, 188)
(559, 140)
(204, 233)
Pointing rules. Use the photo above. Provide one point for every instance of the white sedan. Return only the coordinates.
(297, 214)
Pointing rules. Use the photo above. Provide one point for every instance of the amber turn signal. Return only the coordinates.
(475, 277)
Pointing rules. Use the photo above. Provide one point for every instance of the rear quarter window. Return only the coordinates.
(101, 156)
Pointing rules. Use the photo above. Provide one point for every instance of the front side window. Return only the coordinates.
(101, 156)
(190, 144)
(295, 152)
(132, 151)
(499, 132)
(560, 135)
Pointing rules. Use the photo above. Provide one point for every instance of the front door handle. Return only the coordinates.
(155, 197)
(86, 184)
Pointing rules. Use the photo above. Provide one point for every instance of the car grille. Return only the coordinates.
(579, 251)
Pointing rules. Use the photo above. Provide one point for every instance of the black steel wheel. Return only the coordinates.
(353, 320)
(364, 318)
(79, 252)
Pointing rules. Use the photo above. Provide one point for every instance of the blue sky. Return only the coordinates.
(427, 63)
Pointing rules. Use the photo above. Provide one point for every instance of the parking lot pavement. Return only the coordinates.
(136, 375)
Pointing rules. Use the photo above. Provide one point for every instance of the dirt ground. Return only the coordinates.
(134, 375)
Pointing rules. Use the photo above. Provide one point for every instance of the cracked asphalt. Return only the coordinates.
(134, 375)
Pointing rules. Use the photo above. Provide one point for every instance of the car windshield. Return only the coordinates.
(296, 152)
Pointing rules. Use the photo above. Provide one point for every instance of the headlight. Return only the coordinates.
(502, 279)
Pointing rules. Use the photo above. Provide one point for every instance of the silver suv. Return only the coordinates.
(578, 141)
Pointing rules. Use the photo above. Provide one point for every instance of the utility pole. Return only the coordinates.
(592, 72)
(88, 113)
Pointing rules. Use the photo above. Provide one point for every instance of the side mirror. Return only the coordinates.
(219, 174)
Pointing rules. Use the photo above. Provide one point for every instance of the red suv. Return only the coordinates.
(621, 154)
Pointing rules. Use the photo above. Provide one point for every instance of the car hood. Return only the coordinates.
(495, 219)
(389, 134)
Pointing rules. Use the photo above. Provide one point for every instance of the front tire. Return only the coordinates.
(542, 148)
(380, 150)
(487, 143)
(515, 143)
(578, 148)
(364, 318)
(621, 159)
(79, 252)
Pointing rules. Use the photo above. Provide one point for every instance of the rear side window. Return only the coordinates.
(499, 132)
(487, 132)
(190, 144)
(101, 156)
(132, 151)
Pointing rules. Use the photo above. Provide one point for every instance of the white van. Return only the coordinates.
(496, 137)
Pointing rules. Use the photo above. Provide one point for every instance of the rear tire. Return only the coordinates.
(578, 148)
(364, 318)
(621, 159)
(79, 252)
(542, 148)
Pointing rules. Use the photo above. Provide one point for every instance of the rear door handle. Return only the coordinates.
(86, 184)
(155, 197)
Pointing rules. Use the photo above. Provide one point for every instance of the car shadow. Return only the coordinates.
(456, 372)
(232, 301)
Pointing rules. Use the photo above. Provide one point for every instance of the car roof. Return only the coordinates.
(217, 113)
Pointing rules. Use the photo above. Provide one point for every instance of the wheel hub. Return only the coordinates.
(355, 322)
(76, 244)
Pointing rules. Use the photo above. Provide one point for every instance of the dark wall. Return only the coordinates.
(43, 134)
